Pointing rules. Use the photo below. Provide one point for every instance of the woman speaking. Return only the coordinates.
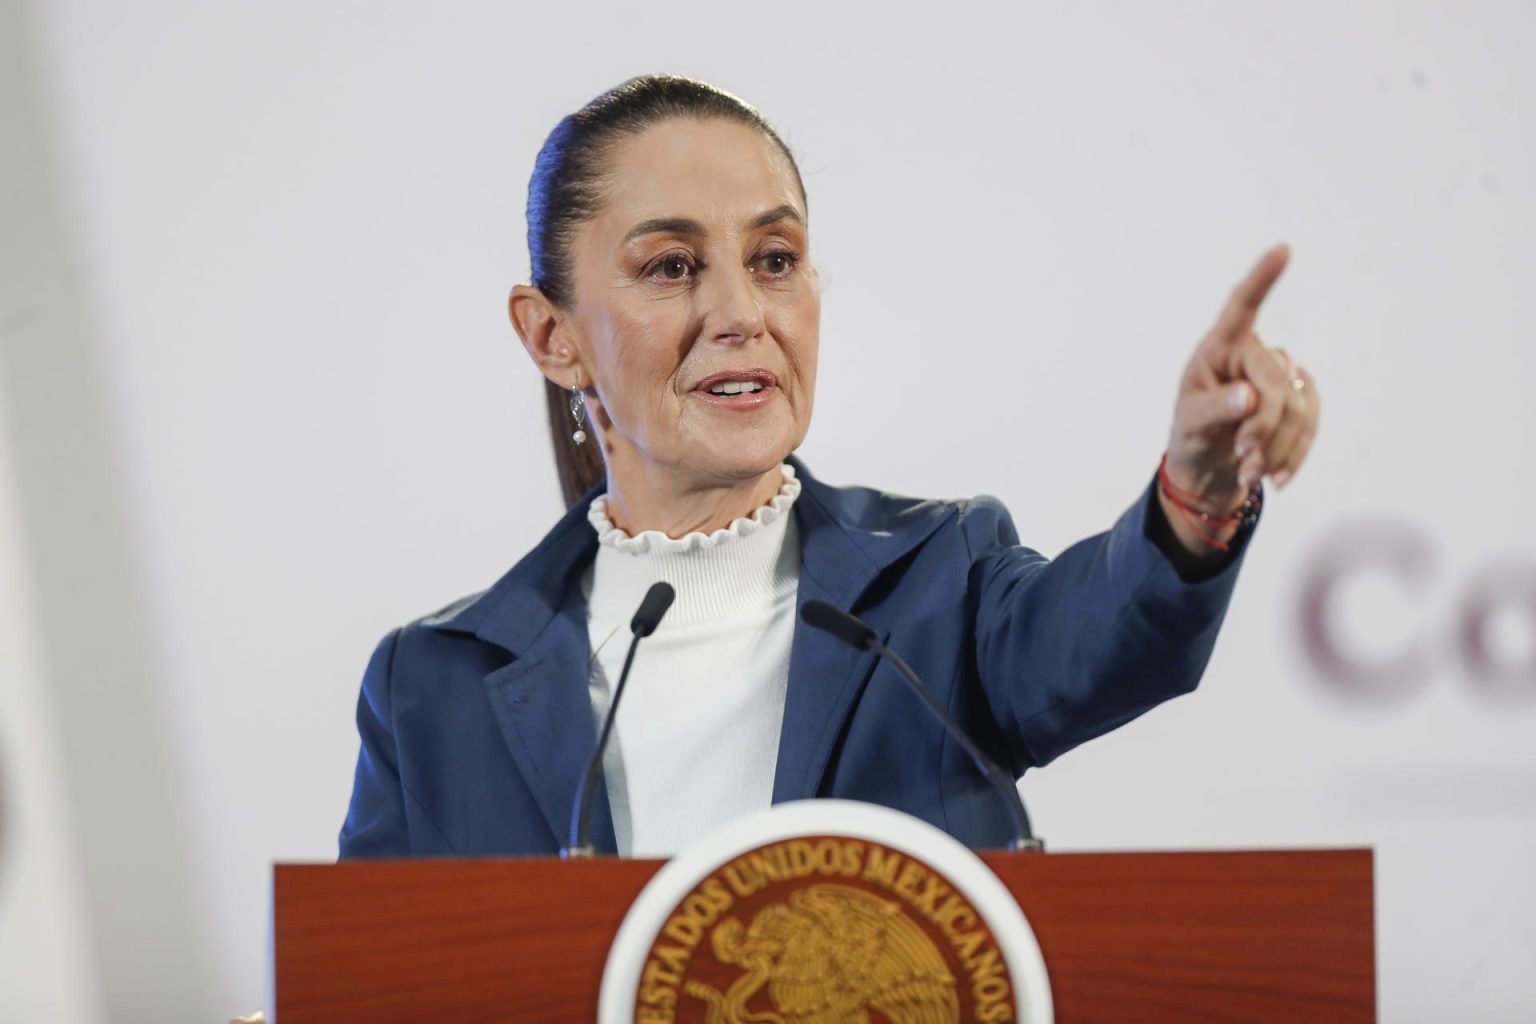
(674, 312)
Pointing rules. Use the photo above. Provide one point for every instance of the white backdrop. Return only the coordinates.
(261, 404)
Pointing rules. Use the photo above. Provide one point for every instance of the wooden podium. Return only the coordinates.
(1244, 936)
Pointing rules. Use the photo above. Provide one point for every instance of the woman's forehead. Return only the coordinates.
(717, 172)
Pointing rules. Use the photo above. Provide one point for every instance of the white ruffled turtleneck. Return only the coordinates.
(697, 738)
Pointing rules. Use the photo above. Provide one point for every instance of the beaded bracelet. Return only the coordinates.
(1245, 515)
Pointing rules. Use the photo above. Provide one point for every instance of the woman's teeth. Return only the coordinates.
(736, 387)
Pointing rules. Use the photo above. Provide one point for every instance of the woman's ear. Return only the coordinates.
(545, 331)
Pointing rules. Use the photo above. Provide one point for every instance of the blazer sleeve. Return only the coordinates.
(1069, 648)
(376, 823)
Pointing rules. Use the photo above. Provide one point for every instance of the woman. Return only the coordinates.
(674, 312)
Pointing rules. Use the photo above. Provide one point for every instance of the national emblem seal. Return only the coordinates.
(784, 919)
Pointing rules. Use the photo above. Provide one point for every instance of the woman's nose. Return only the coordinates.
(733, 313)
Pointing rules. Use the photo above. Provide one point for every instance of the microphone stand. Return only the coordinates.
(855, 632)
(654, 605)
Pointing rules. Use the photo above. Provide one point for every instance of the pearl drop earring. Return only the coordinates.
(578, 412)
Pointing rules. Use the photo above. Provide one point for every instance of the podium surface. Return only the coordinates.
(1212, 936)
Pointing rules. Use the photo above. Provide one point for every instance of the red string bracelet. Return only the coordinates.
(1201, 522)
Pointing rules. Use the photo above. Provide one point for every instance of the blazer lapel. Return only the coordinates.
(825, 677)
(540, 699)
(846, 543)
(544, 711)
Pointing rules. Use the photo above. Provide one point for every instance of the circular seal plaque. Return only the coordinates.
(825, 911)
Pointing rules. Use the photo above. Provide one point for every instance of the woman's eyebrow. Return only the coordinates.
(685, 226)
(669, 225)
(778, 213)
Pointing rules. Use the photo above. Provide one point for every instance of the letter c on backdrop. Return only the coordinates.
(1382, 547)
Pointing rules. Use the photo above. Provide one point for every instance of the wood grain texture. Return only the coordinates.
(1248, 936)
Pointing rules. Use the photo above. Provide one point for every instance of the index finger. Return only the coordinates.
(1243, 307)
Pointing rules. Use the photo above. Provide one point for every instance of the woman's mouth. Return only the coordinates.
(737, 389)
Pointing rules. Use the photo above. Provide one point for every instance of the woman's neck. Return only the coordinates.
(643, 502)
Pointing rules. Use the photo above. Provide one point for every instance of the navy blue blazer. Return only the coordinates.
(476, 722)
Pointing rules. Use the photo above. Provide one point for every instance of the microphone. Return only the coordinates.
(652, 607)
(855, 632)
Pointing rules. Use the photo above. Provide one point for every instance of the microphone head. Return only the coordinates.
(657, 600)
(829, 618)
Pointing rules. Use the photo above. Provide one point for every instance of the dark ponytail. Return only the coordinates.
(567, 189)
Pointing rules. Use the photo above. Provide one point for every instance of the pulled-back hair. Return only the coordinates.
(567, 189)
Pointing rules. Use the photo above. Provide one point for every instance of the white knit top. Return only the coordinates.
(697, 737)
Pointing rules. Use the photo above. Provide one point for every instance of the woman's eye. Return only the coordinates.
(675, 267)
(779, 263)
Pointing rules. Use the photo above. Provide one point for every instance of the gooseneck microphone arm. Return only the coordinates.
(854, 631)
(654, 605)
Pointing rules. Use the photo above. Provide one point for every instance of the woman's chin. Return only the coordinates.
(743, 459)
(741, 450)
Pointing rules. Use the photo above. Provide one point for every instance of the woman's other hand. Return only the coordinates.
(1244, 411)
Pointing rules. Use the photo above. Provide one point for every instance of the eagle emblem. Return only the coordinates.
(830, 955)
